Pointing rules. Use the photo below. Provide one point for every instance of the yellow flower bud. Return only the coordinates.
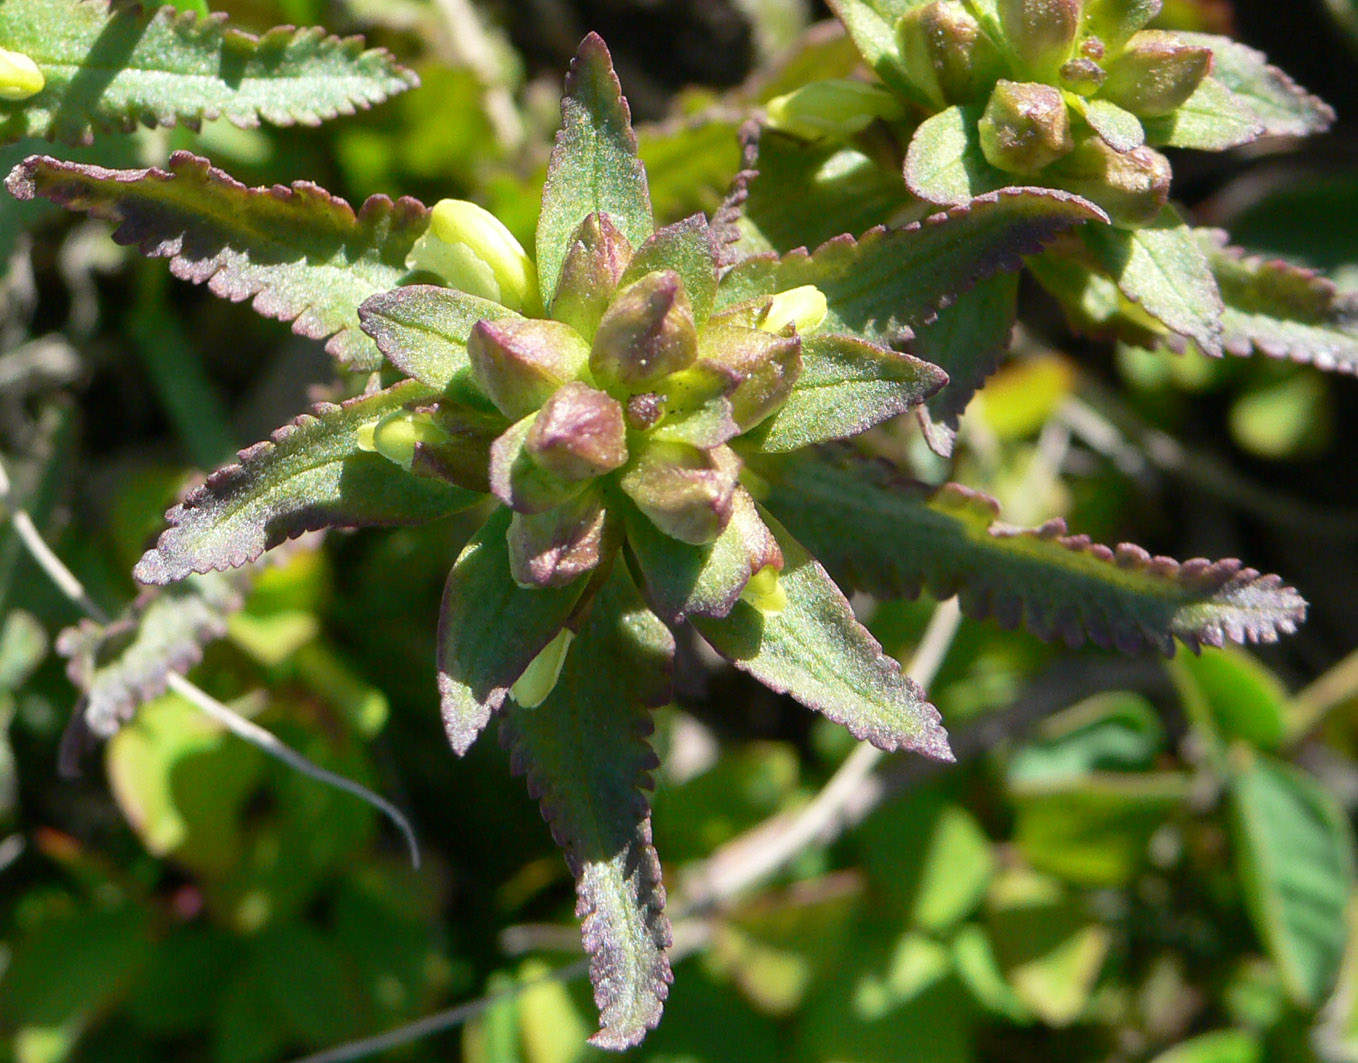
(471, 249)
(837, 107)
(765, 592)
(539, 678)
(804, 307)
(395, 436)
(20, 77)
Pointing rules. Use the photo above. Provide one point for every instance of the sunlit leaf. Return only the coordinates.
(1282, 106)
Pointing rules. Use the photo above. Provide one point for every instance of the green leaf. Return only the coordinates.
(1120, 129)
(1212, 119)
(881, 533)
(1281, 105)
(1294, 857)
(945, 164)
(587, 761)
(1220, 1046)
(119, 665)
(110, 66)
(422, 330)
(967, 342)
(815, 650)
(1235, 695)
(1282, 310)
(846, 386)
(309, 474)
(689, 248)
(1163, 270)
(872, 26)
(1115, 732)
(594, 165)
(880, 286)
(490, 629)
(299, 253)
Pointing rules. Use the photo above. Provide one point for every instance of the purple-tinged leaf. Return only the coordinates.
(111, 66)
(1212, 119)
(490, 629)
(586, 758)
(682, 580)
(1161, 268)
(422, 329)
(556, 548)
(298, 253)
(1120, 130)
(846, 386)
(594, 165)
(119, 665)
(1282, 310)
(310, 474)
(966, 342)
(689, 249)
(945, 164)
(816, 651)
(1282, 106)
(683, 491)
(892, 537)
(880, 286)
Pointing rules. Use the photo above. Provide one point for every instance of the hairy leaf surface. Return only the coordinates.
(310, 474)
(594, 165)
(892, 537)
(945, 164)
(818, 652)
(298, 253)
(687, 247)
(110, 66)
(490, 629)
(585, 755)
(1212, 119)
(1282, 106)
(422, 330)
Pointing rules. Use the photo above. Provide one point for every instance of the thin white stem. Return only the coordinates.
(66, 581)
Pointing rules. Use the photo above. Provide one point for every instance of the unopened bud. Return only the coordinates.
(539, 679)
(1132, 186)
(837, 107)
(472, 251)
(578, 434)
(1156, 73)
(685, 492)
(1025, 127)
(765, 591)
(1082, 76)
(519, 364)
(755, 369)
(946, 55)
(1041, 32)
(595, 261)
(395, 435)
(646, 334)
(555, 548)
(20, 77)
(803, 307)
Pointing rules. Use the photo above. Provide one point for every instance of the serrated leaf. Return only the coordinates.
(1282, 310)
(967, 342)
(587, 761)
(817, 651)
(1282, 106)
(490, 629)
(594, 165)
(1212, 119)
(309, 474)
(1294, 855)
(422, 330)
(891, 280)
(1161, 268)
(119, 665)
(881, 533)
(298, 253)
(945, 164)
(846, 386)
(110, 66)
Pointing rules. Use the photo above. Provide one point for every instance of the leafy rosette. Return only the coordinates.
(1077, 95)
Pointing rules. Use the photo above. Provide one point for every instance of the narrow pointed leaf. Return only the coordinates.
(309, 474)
(422, 330)
(299, 253)
(966, 342)
(846, 386)
(1282, 310)
(585, 755)
(594, 165)
(1282, 106)
(890, 280)
(1294, 854)
(1161, 268)
(490, 629)
(1212, 119)
(111, 66)
(905, 537)
(817, 651)
(688, 248)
